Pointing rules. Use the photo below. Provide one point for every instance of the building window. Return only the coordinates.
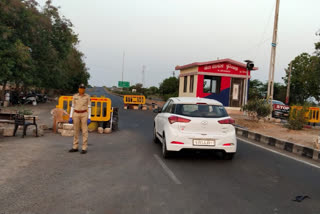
(211, 84)
(191, 84)
(185, 82)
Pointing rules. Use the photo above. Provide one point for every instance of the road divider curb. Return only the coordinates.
(294, 148)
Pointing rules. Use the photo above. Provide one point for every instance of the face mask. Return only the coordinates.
(81, 91)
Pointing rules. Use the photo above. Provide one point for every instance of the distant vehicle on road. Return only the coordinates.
(279, 109)
(194, 123)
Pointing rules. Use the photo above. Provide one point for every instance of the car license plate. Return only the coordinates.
(197, 142)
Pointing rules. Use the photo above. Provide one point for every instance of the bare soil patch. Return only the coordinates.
(42, 110)
(306, 137)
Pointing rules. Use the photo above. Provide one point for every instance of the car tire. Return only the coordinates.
(228, 156)
(165, 153)
(155, 138)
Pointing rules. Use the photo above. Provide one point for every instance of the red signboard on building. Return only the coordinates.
(224, 68)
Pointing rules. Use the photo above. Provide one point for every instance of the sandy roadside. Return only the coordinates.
(306, 137)
(42, 110)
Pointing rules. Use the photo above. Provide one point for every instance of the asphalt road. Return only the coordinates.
(123, 172)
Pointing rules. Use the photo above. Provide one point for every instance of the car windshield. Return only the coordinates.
(200, 110)
(277, 102)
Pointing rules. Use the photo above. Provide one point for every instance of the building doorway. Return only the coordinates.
(236, 92)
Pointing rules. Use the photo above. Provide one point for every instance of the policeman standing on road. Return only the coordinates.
(80, 115)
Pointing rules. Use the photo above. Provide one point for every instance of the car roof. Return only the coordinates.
(195, 100)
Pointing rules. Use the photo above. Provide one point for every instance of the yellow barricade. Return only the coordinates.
(312, 115)
(134, 99)
(100, 107)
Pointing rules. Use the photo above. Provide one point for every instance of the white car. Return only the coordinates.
(194, 123)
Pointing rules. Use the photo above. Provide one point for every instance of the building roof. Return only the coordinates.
(195, 100)
(196, 64)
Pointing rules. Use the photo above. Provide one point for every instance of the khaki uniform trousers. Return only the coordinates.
(80, 121)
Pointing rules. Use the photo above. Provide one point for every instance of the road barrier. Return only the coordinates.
(101, 109)
(312, 115)
(134, 99)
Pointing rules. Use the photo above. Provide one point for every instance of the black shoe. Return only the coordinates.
(83, 152)
(73, 150)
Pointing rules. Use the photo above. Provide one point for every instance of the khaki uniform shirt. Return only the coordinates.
(81, 103)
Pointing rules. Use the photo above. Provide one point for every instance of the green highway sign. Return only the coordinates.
(123, 84)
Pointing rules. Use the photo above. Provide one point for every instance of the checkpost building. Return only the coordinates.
(223, 80)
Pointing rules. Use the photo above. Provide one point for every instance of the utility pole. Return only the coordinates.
(288, 87)
(143, 73)
(122, 67)
(273, 55)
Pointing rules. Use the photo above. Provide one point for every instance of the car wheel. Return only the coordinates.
(229, 156)
(165, 153)
(155, 138)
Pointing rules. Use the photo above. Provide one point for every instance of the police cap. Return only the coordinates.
(82, 85)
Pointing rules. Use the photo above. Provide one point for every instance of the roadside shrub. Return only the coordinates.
(297, 119)
(24, 111)
(257, 108)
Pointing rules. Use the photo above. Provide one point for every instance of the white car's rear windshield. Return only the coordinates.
(200, 110)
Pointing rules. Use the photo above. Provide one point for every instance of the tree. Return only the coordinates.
(153, 90)
(317, 45)
(75, 71)
(16, 64)
(279, 91)
(305, 78)
(137, 87)
(316, 68)
(256, 89)
(169, 87)
(38, 47)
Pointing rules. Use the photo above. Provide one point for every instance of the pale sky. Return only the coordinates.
(164, 33)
